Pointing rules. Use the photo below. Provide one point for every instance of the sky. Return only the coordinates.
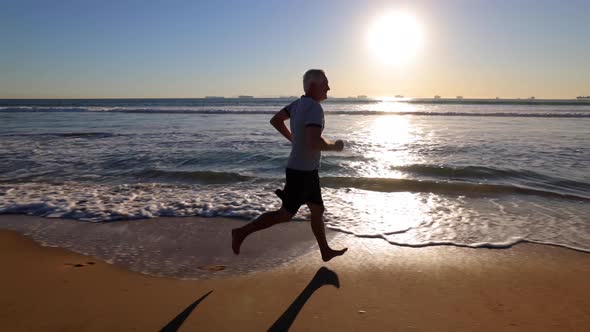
(185, 49)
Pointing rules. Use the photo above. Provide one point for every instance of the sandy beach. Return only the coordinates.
(381, 288)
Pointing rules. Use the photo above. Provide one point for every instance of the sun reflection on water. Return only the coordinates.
(378, 213)
(389, 144)
(392, 129)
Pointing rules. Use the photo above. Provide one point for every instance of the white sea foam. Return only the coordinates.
(404, 218)
(373, 109)
(137, 201)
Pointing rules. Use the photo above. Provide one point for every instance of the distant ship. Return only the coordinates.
(459, 97)
(583, 98)
(245, 97)
(437, 97)
(214, 97)
(399, 96)
(361, 97)
(532, 98)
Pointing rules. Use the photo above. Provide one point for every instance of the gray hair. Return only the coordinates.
(311, 76)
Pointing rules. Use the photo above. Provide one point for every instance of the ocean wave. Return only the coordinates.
(556, 113)
(440, 187)
(273, 101)
(106, 202)
(192, 177)
(88, 135)
(84, 135)
(450, 171)
(490, 173)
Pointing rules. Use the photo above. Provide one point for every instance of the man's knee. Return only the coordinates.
(283, 215)
(316, 209)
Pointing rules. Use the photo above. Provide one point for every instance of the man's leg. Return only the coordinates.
(265, 220)
(317, 226)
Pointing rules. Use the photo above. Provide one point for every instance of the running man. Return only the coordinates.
(302, 179)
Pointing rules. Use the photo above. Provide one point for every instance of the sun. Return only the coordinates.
(395, 38)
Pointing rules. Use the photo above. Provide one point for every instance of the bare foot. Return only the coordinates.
(236, 240)
(332, 253)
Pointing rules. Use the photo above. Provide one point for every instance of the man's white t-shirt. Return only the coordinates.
(304, 112)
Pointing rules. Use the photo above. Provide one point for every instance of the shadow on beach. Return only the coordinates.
(175, 324)
(324, 276)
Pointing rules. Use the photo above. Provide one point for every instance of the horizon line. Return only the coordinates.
(358, 97)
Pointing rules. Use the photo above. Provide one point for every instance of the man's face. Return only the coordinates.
(322, 89)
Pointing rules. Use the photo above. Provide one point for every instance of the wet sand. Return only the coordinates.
(381, 288)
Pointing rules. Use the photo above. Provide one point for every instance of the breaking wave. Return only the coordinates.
(555, 113)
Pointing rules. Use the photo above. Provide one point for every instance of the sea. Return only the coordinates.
(414, 172)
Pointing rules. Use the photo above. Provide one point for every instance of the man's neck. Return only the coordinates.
(312, 97)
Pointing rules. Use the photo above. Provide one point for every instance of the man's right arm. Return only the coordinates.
(278, 121)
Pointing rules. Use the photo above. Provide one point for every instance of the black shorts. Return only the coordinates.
(301, 187)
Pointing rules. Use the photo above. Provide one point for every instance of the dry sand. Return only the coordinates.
(381, 288)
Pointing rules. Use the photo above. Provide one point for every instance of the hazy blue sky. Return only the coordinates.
(196, 48)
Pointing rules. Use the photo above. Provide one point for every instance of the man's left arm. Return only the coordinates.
(327, 145)
(315, 141)
(314, 126)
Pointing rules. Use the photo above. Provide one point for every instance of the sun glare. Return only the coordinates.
(395, 38)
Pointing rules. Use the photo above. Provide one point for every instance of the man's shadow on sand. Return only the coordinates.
(324, 276)
(175, 324)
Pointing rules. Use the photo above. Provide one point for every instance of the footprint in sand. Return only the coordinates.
(79, 265)
(212, 268)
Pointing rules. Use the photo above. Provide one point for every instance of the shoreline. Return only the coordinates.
(382, 287)
(208, 244)
(186, 248)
